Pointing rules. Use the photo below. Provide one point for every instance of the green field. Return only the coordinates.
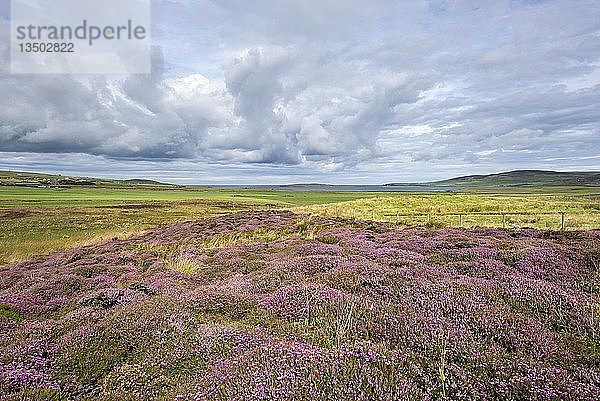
(507, 208)
(41, 220)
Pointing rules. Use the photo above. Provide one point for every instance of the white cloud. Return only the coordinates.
(378, 87)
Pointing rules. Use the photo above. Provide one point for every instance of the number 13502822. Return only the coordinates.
(34, 47)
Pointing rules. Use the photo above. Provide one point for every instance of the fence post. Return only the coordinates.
(562, 220)
(460, 219)
(503, 220)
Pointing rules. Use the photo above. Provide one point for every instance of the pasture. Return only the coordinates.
(42, 220)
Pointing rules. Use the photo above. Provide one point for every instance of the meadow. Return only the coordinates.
(504, 208)
(42, 220)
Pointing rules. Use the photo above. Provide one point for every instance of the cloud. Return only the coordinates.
(139, 116)
(334, 87)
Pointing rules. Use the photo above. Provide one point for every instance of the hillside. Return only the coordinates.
(39, 180)
(521, 178)
(144, 182)
(278, 306)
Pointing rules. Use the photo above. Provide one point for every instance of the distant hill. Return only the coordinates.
(520, 178)
(38, 180)
(143, 182)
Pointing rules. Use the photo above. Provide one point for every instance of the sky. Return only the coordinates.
(341, 92)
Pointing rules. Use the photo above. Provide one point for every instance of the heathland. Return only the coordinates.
(113, 290)
(45, 213)
(273, 305)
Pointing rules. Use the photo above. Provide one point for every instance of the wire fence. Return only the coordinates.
(552, 220)
(462, 216)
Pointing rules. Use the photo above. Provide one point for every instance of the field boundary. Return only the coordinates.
(461, 216)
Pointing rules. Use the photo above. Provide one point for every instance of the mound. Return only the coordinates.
(277, 306)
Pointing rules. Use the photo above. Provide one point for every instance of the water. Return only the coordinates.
(346, 188)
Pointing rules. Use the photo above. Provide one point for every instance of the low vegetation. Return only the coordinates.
(505, 209)
(42, 220)
(278, 306)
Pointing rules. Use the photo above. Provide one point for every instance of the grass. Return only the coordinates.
(37, 221)
(582, 209)
(42, 220)
(24, 196)
(27, 231)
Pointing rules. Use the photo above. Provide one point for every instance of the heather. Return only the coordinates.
(280, 306)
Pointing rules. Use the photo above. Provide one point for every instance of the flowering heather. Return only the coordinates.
(277, 306)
